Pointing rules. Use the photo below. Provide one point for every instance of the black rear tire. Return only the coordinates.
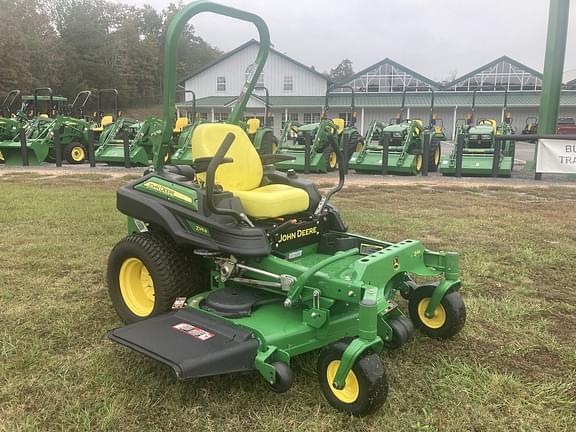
(269, 144)
(167, 266)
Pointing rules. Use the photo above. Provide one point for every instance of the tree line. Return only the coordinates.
(73, 45)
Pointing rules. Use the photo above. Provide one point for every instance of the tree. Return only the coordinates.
(342, 71)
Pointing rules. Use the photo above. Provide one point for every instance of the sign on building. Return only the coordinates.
(556, 156)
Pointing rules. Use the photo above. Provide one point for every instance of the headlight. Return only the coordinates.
(487, 137)
(397, 135)
(473, 137)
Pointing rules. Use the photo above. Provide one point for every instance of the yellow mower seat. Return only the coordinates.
(243, 176)
(181, 123)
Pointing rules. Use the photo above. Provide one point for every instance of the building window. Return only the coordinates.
(248, 75)
(221, 83)
(203, 116)
(293, 116)
(311, 117)
(220, 116)
(346, 116)
(288, 83)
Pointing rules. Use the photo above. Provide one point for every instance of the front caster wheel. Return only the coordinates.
(448, 319)
(366, 386)
(284, 378)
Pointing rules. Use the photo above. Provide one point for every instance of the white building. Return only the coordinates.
(297, 92)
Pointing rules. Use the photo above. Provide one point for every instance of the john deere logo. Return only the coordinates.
(167, 191)
(297, 234)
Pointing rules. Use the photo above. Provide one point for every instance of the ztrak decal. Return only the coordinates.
(167, 191)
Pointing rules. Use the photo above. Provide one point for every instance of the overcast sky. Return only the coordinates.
(435, 38)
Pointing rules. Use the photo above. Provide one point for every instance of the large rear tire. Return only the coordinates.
(147, 272)
(435, 157)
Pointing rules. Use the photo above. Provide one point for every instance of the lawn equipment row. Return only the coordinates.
(232, 266)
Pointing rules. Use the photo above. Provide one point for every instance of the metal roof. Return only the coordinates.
(419, 99)
(243, 46)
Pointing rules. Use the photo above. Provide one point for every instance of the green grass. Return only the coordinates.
(513, 367)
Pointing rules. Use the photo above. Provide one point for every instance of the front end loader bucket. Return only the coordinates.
(371, 162)
(113, 154)
(317, 162)
(477, 165)
(37, 151)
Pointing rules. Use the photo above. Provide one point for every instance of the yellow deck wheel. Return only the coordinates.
(437, 320)
(136, 287)
(349, 394)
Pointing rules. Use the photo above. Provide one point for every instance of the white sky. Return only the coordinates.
(433, 38)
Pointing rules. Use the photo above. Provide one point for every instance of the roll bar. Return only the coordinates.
(175, 29)
(266, 103)
(87, 94)
(9, 101)
(330, 91)
(114, 92)
(50, 94)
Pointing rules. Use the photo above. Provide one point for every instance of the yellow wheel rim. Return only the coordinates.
(274, 148)
(437, 155)
(136, 287)
(77, 154)
(437, 320)
(359, 147)
(351, 389)
(418, 163)
(332, 160)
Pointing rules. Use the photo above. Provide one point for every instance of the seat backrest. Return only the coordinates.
(489, 122)
(106, 120)
(245, 172)
(181, 123)
(253, 125)
(340, 123)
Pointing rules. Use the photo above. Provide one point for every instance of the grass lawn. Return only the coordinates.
(513, 367)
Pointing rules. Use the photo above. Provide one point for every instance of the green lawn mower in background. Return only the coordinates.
(405, 146)
(321, 138)
(231, 266)
(479, 146)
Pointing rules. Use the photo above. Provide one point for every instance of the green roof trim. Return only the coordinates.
(489, 65)
(246, 45)
(393, 100)
(391, 62)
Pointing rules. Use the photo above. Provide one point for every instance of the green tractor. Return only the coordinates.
(478, 143)
(319, 139)
(231, 266)
(40, 131)
(405, 139)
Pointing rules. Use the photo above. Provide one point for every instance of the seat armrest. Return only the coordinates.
(269, 159)
(201, 164)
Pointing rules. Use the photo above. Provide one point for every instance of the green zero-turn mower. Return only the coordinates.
(405, 146)
(40, 133)
(478, 146)
(321, 138)
(231, 266)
